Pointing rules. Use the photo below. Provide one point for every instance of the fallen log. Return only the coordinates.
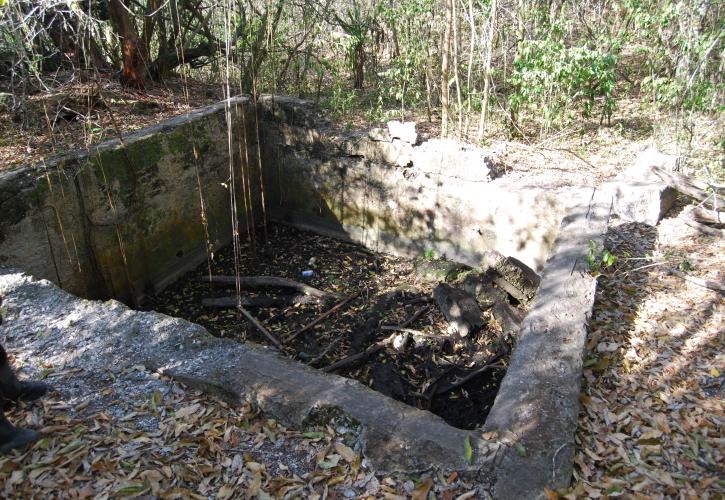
(686, 186)
(261, 301)
(512, 275)
(267, 282)
(459, 308)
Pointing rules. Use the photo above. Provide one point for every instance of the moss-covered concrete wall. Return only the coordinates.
(439, 196)
(132, 214)
(126, 217)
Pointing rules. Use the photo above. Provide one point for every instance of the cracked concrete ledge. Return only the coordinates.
(536, 407)
(50, 325)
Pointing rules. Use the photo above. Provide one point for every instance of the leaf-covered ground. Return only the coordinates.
(135, 434)
(650, 426)
(652, 419)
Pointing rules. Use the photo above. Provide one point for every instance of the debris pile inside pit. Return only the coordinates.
(431, 333)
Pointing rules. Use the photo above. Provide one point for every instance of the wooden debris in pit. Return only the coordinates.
(268, 282)
(344, 302)
(260, 301)
(460, 309)
(367, 331)
(513, 276)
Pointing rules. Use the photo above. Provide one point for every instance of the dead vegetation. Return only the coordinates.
(392, 323)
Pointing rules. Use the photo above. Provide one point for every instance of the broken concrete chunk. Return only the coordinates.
(640, 195)
(453, 159)
(459, 308)
(379, 135)
(405, 131)
(437, 270)
(396, 152)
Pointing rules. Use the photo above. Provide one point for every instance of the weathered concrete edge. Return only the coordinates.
(537, 407)
(394, 436)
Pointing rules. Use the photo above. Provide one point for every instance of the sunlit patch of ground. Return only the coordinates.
(653, 399)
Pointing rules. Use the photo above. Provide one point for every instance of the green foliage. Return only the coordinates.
(552, 81)
(404, 79)
(596, 261)
(681, 43)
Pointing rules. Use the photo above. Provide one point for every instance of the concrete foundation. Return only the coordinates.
(129, 216)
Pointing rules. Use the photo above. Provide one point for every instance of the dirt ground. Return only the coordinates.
(414, 374)
(652, 397)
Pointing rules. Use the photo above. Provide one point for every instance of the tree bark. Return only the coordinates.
(133, 49)
(445, 68)
(487, 70)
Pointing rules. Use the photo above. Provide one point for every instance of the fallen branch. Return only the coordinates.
(256, 302)
(712, 285)
(702, 215)
(272, 338)
(493, 364)
(685, 186)
(322, 316)
(712, 231)
(360, 356)
(267, 281)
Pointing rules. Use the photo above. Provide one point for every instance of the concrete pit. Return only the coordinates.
(125, 220)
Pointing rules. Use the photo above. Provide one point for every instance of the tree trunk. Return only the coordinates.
(135, 55)
(359, 65)
(445, 67)
(487, 70)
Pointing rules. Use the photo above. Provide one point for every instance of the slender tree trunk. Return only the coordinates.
(472, 22)
(487, 70)
(445, 67)
(456, 80)
(134, 51)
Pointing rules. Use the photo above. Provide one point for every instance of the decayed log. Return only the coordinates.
(267, 281)
(686, 186)
(513, 276)
(459, 308)
(260, 301)
(706, 216)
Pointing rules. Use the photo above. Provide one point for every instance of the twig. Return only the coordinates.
(493, 363)
(322, 316)
(712, 285)
(254, 302)
(354, 358)
(272, 338)
(327, 349)
(420, 312)
(407, 330)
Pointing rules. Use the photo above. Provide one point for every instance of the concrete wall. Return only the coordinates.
(125, 218)
(392, 196)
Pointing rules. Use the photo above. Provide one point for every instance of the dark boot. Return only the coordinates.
(12, 438)
(11, 389)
